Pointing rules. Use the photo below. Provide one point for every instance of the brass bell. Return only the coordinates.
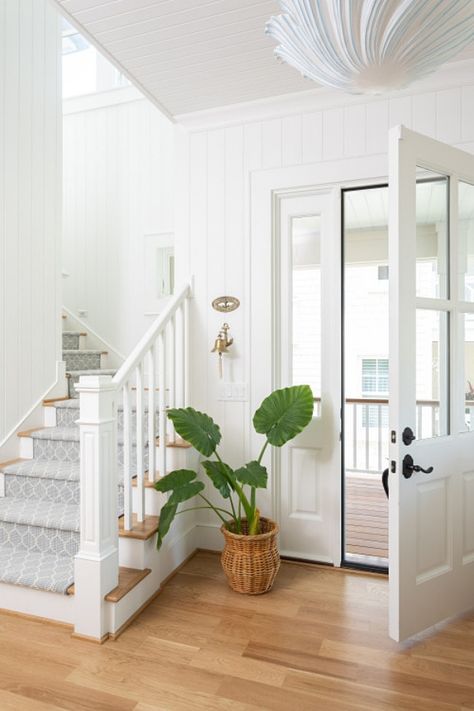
(221, 344)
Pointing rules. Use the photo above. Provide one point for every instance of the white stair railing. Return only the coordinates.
(151, 372)
(153, 378)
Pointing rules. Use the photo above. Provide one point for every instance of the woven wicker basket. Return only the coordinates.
(251, 562)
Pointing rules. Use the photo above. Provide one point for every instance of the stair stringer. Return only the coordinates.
(10, 446)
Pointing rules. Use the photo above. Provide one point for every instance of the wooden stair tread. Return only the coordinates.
(140, 530)
(12, 461)
(146, 483)
(128, 579)
(28, 433)
(180, 443)
(51, 401)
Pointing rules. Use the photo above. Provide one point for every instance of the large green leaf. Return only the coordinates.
(254, 474)
(167, 514)
(221, 476)
(183, 493)
(284, 414)
(197, 428)
(175, 479)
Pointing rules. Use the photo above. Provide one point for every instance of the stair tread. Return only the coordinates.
(37, 512)
(64, 434)
(140, 530)
(42, 571)
(96, 371)
(76, 351)
(74, 333)
(128, 579)
(43, 469)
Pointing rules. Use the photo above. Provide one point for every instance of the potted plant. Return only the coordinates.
(250, 557)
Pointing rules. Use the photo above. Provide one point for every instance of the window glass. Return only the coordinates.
(466, 240)
(432, 236)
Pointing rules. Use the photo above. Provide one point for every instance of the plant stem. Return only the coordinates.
(259, 460)
(214, 508)
(197, 508)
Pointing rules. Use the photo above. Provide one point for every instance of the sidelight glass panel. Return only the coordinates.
(466, 240)
(468, 331)
(432, 236)
(306, 303)
(432, 368)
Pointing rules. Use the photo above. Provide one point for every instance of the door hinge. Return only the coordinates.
(393, 437)
(393, 466)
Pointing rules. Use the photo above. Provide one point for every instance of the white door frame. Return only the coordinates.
(266, 188)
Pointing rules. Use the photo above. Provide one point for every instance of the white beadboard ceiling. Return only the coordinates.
(189, 55)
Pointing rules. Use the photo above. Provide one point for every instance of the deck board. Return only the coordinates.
(366, 516)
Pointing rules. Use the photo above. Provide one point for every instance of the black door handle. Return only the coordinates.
(409, 467)
(385, 483)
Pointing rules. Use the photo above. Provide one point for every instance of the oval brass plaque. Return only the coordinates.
(226, 304)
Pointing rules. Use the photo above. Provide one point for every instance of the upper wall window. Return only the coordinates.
(85, 70)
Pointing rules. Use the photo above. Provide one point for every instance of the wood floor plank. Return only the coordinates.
(318, 641)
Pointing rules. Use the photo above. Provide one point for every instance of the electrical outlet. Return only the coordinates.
(233, 392)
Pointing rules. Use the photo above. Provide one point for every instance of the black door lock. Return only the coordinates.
(408, 436)
(409, 467)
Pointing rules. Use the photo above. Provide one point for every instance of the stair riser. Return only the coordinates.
(66, 451)
(39, 538)
(70, 342)
(82, 361)
(57, 490)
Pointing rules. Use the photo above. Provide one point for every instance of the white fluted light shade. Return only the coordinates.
(370, 46)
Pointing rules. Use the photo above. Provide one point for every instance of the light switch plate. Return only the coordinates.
(233, 392)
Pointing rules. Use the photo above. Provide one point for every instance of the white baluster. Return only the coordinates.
(139, 446)
(186, 353)
(162, 402)
(151, 414)
(127, 473)
(180, 359)
(172, 375)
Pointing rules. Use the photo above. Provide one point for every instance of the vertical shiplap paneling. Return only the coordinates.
(377, 127)
(312, 136)
(448, 115)
(333, 134)
(424, 114)
(235, 255)
(354, 130)
(118, 188)
(400, 111)
(467, 113)
(271, 143)
(291, 140)
(30, 200)
(216, 251)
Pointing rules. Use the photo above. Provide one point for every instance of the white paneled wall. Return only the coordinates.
(221, 162)
(30, 201)
(118, 188)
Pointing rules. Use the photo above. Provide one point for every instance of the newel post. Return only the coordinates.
(96, 563)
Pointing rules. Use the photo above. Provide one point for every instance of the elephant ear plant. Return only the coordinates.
(280, 417)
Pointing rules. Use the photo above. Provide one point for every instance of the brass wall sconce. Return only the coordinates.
(222, 343)
(224, 304)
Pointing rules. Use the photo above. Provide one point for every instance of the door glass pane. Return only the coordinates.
(366, 374)
(432, 401)
(306, 303)
(468, 329)
(466, 241)
(432, 236)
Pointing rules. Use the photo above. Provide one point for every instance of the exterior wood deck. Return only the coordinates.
(366, 514)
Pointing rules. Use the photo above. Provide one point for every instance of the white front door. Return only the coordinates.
(431, 258)
(307, 310)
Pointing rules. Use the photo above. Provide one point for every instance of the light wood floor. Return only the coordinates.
(366, 509)
(317, 641)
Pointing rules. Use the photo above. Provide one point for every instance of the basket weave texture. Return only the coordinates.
(251, 563)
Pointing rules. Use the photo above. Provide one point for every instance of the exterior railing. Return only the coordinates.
(367, 430)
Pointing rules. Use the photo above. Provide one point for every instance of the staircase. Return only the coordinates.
(40, 496)
(39, 512)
